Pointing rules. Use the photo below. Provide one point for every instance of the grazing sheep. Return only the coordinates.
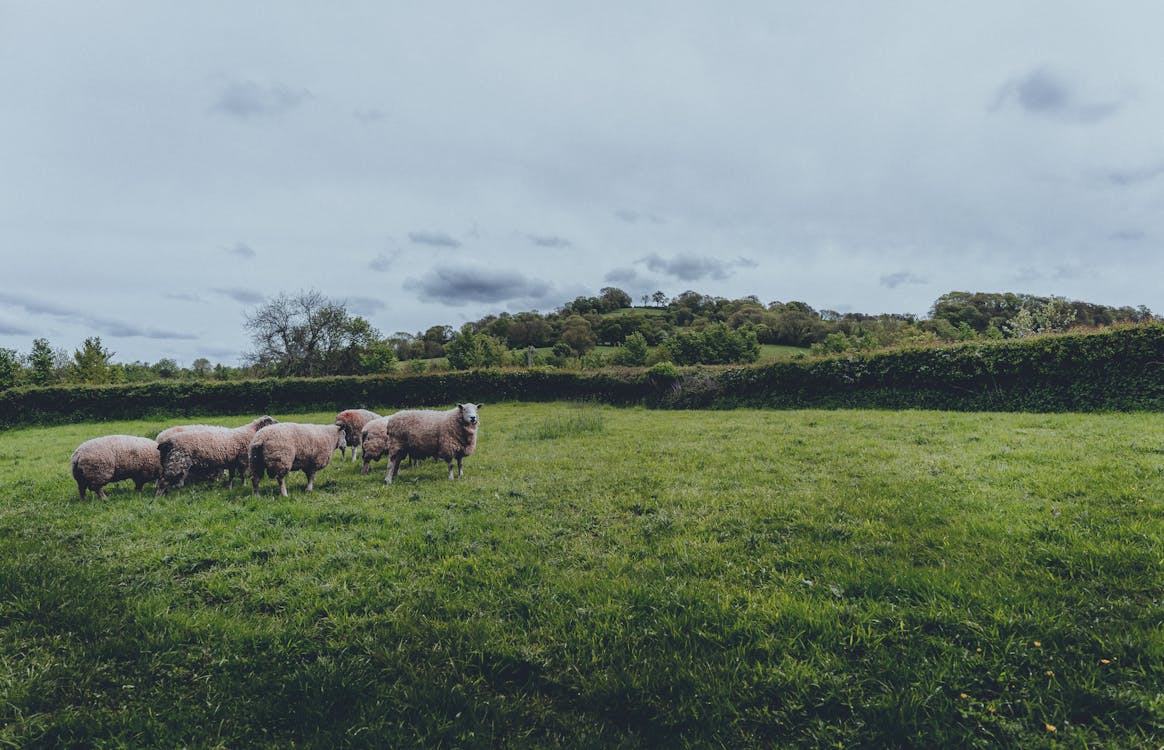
(289, 446)
(198, 451)
(112, 458)
(373, 442)
(352, 421)
(447, 435)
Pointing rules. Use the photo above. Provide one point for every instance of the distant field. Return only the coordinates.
(607, 577)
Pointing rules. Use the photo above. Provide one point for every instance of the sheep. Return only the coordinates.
(373, 442)
(352, 421)
(291, 446)
(199, 451)
(447, 435)
(112, 458)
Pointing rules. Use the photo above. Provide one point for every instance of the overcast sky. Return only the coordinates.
(167, 166)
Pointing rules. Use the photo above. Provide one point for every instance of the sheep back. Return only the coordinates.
(205, 450)
(419, 433)
(112, 458)
(352, 421)
(290, 446)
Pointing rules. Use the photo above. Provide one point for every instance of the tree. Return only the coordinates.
(201, 367)
(92, 363)
(307, 335)
(633, 352)
(44, 363)
(9, 368)
(578, 335)
(468, 350)
(613, 298)
(166, 368)
(659, 298)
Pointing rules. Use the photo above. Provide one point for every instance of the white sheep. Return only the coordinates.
(112, 458)
(352, 421)
(373, 442)
(289, 446)
(199, 451)
(447, 435)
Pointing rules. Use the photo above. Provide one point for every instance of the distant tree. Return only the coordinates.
(44, 363)
(200, 367)
(468, 350)
(633, 352)
(434, 340)
(528, 329)
(306, 335)
(659, 298)
(613, 298)
(578, 334)
(92, 363)
(166, 368)
(377, 357)
(714, 345)
(9, 368)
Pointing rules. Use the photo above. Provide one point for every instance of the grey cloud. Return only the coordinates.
(365, 305)
(1128, 235)
(550, 241)
(370, 116)
(631, 216)
(250, 99)
(694, 268)
(627, 276)
(36, 306)
(459, 286)
(1132, 177)
(435, 239)
(123, 330)
(107, 326)
(384, 261)
(242, 250)
(182, 296)
(1046, 93)
(245, 296)
(8, 329)
(894, 280)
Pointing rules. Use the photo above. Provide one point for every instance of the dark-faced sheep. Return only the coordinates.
(448, 435)
(352, 421)
(197, 451)
(283, 448)
(102, 460)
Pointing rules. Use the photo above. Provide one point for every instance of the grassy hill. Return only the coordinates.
(606, 577)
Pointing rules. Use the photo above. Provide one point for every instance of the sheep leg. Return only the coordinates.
(367, 466)
(310, 480)
(283, 485)
(101, 493)
(393, 468)
(255, 482)
(449, 461)
(81, 490)
(460, 469)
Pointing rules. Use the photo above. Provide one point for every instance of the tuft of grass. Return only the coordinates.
(736, 578)
(572, 421)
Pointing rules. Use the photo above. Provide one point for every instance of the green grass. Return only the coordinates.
(606, 577)
(780, 351)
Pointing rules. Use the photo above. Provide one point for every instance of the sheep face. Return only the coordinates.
(468, 413)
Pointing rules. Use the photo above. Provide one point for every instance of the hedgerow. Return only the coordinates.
(1118, 369)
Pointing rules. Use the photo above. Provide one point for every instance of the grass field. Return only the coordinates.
(607, 577)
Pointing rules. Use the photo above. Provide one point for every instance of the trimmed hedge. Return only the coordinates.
(1117, 369)
(1120, 369)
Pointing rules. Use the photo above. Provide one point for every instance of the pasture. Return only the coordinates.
(606, 577)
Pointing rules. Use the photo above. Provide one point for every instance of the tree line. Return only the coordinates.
(310, 335)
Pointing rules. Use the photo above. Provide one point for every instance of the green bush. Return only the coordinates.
(1114, 369)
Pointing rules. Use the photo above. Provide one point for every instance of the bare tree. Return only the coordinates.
(307, 335)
